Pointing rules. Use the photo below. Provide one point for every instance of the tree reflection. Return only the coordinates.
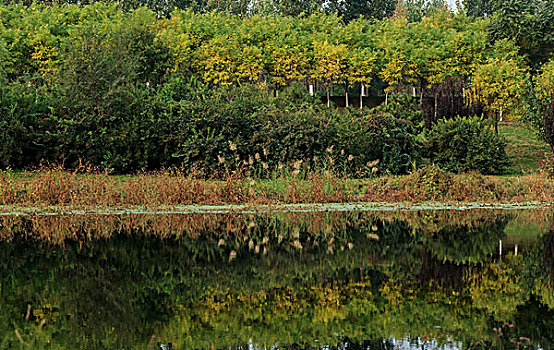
(297, 281)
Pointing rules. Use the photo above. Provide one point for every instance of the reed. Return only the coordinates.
(56, 187)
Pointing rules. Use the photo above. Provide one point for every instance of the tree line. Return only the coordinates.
(77, 69)
(42, 44)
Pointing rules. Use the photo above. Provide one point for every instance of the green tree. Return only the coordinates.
(296, 7)
(530, 24)
(544, 89)
(479, 8)
(107, 75)
(368, 9)
(416, 10)
(500, 84)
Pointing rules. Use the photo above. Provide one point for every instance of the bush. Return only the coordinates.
(463, 144)
(247, 127)
(27, 126)
(404, 107)
(376, 136)
(183, 123)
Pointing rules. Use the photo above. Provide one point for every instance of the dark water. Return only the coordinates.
(353, 280)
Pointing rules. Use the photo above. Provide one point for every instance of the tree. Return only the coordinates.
(297, 7)
(416, 10)
(329, 63)
(500, 85)
(107, 72)
(530, 24)
(368, 9)
(544, 89)
(224, 61)
(361, 68)
(479, 8)
(288, 64)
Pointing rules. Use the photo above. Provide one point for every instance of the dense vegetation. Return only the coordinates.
(463, 144)
(130, 89)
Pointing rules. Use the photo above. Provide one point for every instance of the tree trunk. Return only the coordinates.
(436, 107)
(346, 98)
(328, 98)
(361, 97)
(421, 92)
(346, 94)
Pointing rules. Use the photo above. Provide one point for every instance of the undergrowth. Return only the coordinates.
(56, 187)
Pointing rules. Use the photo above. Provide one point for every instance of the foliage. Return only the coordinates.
(529, 23)
(416, 10)
(431, 180)
(544, 90)
(245, 127)
(186, 125)
(26, 126)
(221, 48)
(499, 85)
(133, 90)
(375, 138)
(479, 8)
(404, 107)
(372, 9)
(463, 144)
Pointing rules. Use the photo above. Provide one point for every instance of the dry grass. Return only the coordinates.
(93, 190)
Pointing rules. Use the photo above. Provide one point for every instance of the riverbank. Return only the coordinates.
(68, 191)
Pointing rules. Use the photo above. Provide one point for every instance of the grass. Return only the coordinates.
(525, 149)
(58, 188)
(62, 189)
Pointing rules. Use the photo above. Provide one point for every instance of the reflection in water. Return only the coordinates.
(371, 280)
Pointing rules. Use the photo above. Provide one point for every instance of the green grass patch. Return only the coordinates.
(525, 149)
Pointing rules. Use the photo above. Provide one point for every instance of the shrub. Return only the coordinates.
(404, 107)
(247, 127)
(26, 126)
(183, 123)
(463, 144)
(429, 181)
(376, 136)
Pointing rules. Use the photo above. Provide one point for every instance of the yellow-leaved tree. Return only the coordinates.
(224, 61)
(329, 64)
(544, 89)
(288, 64)
(170, 32)
(361, 67)
(499, 84)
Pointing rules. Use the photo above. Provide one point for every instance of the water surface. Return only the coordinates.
(424, 279)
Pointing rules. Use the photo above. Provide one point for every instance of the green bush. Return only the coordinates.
(247, 127)
(376, 136)
(184, 123)
(404, 107)
(463, 144)
(27, 126)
